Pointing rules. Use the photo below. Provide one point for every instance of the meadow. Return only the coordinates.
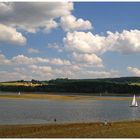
(18, 84)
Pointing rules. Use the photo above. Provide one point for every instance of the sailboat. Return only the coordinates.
(134, 102)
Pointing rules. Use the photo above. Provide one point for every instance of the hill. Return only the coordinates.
(105, 86)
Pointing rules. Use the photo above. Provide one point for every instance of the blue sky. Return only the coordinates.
(114, 16)
(75, 40)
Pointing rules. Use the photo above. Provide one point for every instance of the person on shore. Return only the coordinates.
(105, 122)
(54, 119)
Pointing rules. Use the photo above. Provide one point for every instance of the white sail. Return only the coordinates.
(134, 102)
(19, 93)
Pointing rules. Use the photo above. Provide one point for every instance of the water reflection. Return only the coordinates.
(134, 113)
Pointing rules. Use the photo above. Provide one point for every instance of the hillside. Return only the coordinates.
(104, 86)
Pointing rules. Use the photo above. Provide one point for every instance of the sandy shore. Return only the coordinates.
(128, 129)
(52, 96)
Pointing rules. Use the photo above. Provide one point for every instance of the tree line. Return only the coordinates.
(77, 86)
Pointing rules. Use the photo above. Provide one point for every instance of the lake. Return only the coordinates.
(37, 111)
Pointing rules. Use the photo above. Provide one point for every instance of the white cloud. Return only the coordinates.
(58, 61)
(13, 75)
(21, 59)
(42, 69)
(70, 23)
(89, 59)
(84, 42)
(134, 70)
(50, 25)
(79, 72)
(10, 35)
(55, 46)
(32, 50)
(28, 68)
(126, 42)
(32, 16)
(34, 72)
(3, 60)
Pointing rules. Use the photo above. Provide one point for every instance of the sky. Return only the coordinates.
(49, 40)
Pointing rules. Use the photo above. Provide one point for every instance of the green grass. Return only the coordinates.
(135, 84)
(79, 130)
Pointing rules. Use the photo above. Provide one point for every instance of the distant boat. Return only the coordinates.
(134, 102)
(19, 93)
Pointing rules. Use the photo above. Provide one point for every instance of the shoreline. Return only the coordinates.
(121, 129)
(115, 129)
(57, 96)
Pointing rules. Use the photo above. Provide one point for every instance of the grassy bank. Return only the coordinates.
(59, 97)
(79, 130)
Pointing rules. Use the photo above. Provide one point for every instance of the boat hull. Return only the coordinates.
(133, 106)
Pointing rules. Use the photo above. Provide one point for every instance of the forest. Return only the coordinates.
(105, 86)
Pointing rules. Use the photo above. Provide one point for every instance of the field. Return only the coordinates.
(136, 84)
(79, 130)
(18, 84)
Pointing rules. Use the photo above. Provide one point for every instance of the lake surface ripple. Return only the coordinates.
(32, 111)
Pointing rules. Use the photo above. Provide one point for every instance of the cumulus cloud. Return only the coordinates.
(58, 61)
(31, 16)
(28, 68)
(46, 72)
(10, 35)
(32, 50)
(21, 59)
(134, 70)
(70, 23)
(50, 25)
(3, 59)
(125, 42)
(42, 69)
(84, 42)
(87, 47)
(90, 59)
(77, 72)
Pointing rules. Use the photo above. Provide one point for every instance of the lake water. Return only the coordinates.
(31, 111)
